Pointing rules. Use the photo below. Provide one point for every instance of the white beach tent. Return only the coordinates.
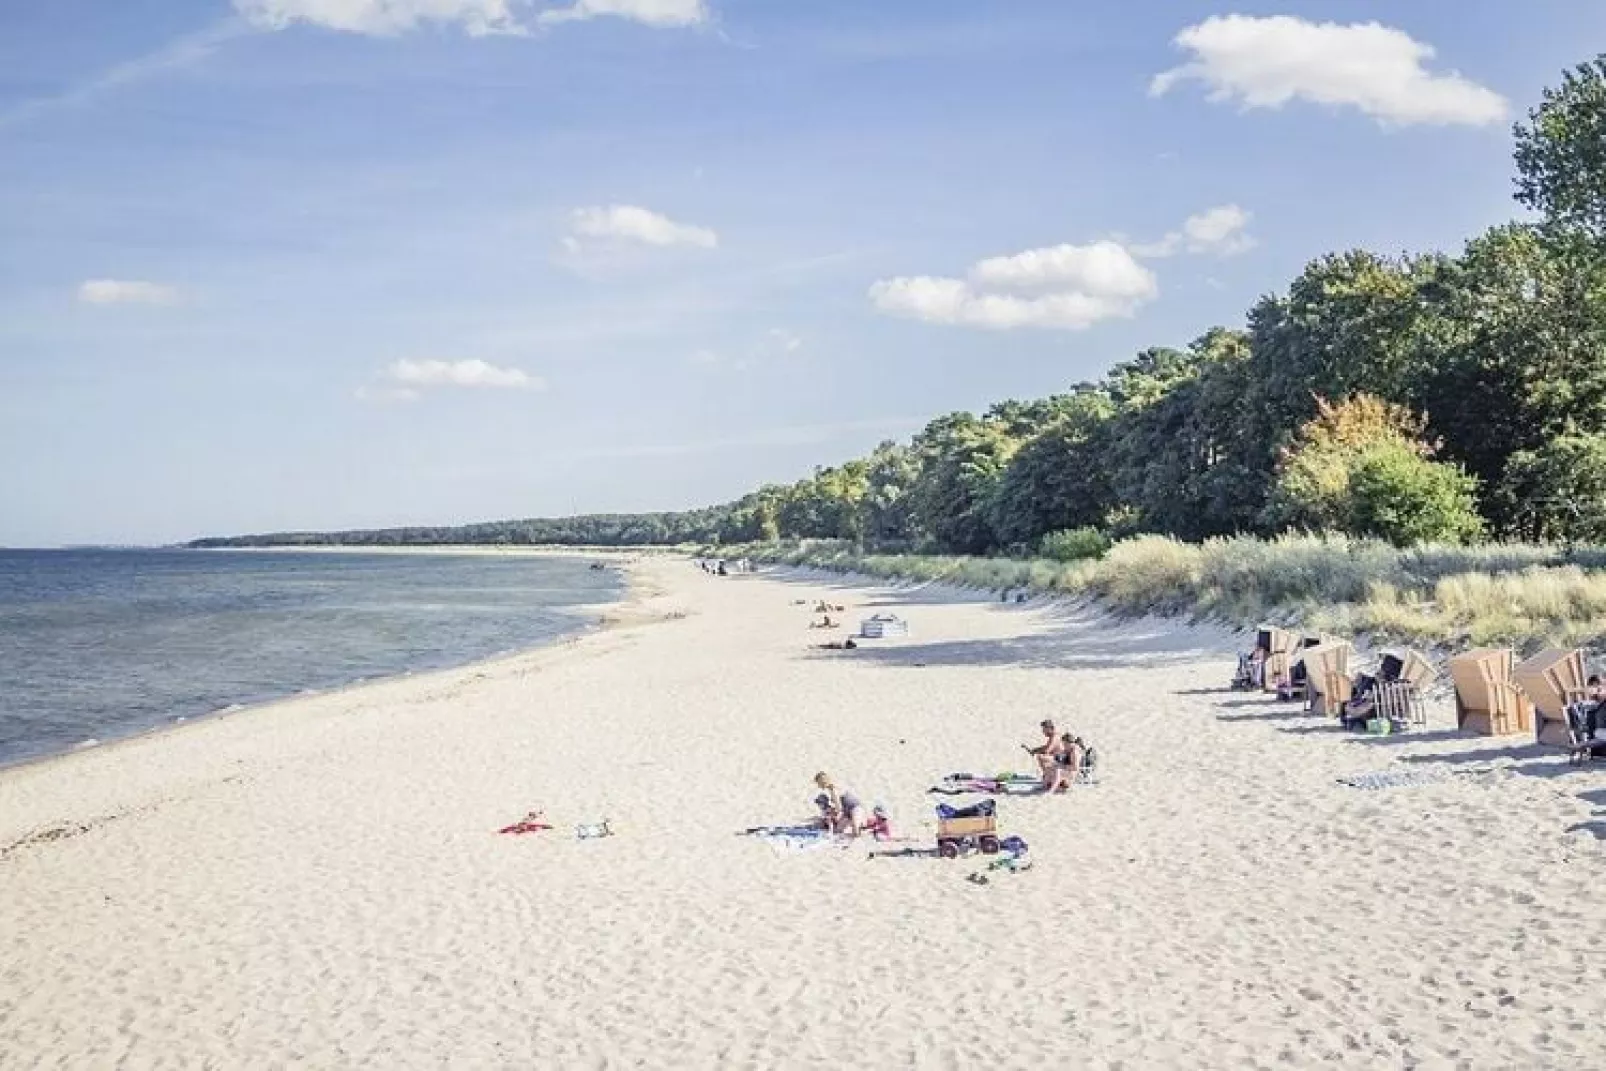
(883, 626)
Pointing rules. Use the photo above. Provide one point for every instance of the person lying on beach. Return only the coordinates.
(1048, 756)
(839, 810)
(839, 645)
(825, 622)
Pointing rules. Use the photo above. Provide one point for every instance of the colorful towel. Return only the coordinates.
(1003, 785)
(530, 823)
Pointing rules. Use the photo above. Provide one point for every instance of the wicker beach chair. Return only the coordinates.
(1487, 700)
(1327, 686)
(1553, 679)
(1401, 700)
(1278, 643)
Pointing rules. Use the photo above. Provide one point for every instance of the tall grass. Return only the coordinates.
(1521, 595)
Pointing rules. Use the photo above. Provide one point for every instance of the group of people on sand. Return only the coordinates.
(843, 814)
(1059, 756)
(722, 567)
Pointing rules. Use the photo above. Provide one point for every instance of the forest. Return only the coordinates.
(1416, 399)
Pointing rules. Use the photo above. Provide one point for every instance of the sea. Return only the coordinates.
(97, 645)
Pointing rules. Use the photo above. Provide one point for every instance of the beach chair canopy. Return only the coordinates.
(1326, 660)
(1552, 679)
(1415, 669)
(1476, 672)
(1312, 655)
(1275, 640)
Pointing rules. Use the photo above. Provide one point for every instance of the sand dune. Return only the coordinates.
(320, 882)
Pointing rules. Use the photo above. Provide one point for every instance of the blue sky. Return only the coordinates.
(329, 263)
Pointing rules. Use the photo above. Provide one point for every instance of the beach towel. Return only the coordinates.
(789, 839)
(1004, 784)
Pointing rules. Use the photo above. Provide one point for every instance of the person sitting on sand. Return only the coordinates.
(1048, 756)
(839, 810)
(1070, 761)
(1595, 708)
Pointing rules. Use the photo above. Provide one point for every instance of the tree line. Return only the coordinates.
(1415, 398)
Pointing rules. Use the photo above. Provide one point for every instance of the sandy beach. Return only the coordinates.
(321, 883)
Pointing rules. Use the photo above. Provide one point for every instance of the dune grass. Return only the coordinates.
(1510, 594)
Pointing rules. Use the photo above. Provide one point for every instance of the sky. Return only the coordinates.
(292, 264)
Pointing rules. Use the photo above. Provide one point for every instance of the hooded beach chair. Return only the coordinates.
(1405, 677)
(1487, 700)
(1277, 642)
(1327, 677)
(1298, 675)
(1553, 679)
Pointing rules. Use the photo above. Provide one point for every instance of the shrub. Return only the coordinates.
(1397, 494)
(1074, 544)
(1313, 478)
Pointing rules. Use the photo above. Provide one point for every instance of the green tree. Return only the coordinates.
(1057, 479)
(962, 458)
(1516, 350)
(1558, 490)
(1561, 152)
(887, 515)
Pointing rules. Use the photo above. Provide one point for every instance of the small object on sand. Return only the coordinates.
(593, 830)
(530, 823)
(1406, 778)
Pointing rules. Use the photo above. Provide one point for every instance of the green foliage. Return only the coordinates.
(1313, 483)
(962, 458)
(1561, 152)
(1558, 491)
(1074, 544)
(1397, 494)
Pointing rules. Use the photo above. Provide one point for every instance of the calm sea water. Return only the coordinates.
(96, 645)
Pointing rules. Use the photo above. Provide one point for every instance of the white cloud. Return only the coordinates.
(420, 374)
(1104, 268)
(783, 340)
(1266, 62)
(384, 17)
(953, 301)
(631, 223)
(125, 292)
(1219, 230)
(1065, 286)
(651, 12)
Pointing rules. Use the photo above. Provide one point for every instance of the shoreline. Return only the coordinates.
(592, 618)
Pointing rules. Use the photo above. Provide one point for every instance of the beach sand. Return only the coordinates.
(320, 882)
